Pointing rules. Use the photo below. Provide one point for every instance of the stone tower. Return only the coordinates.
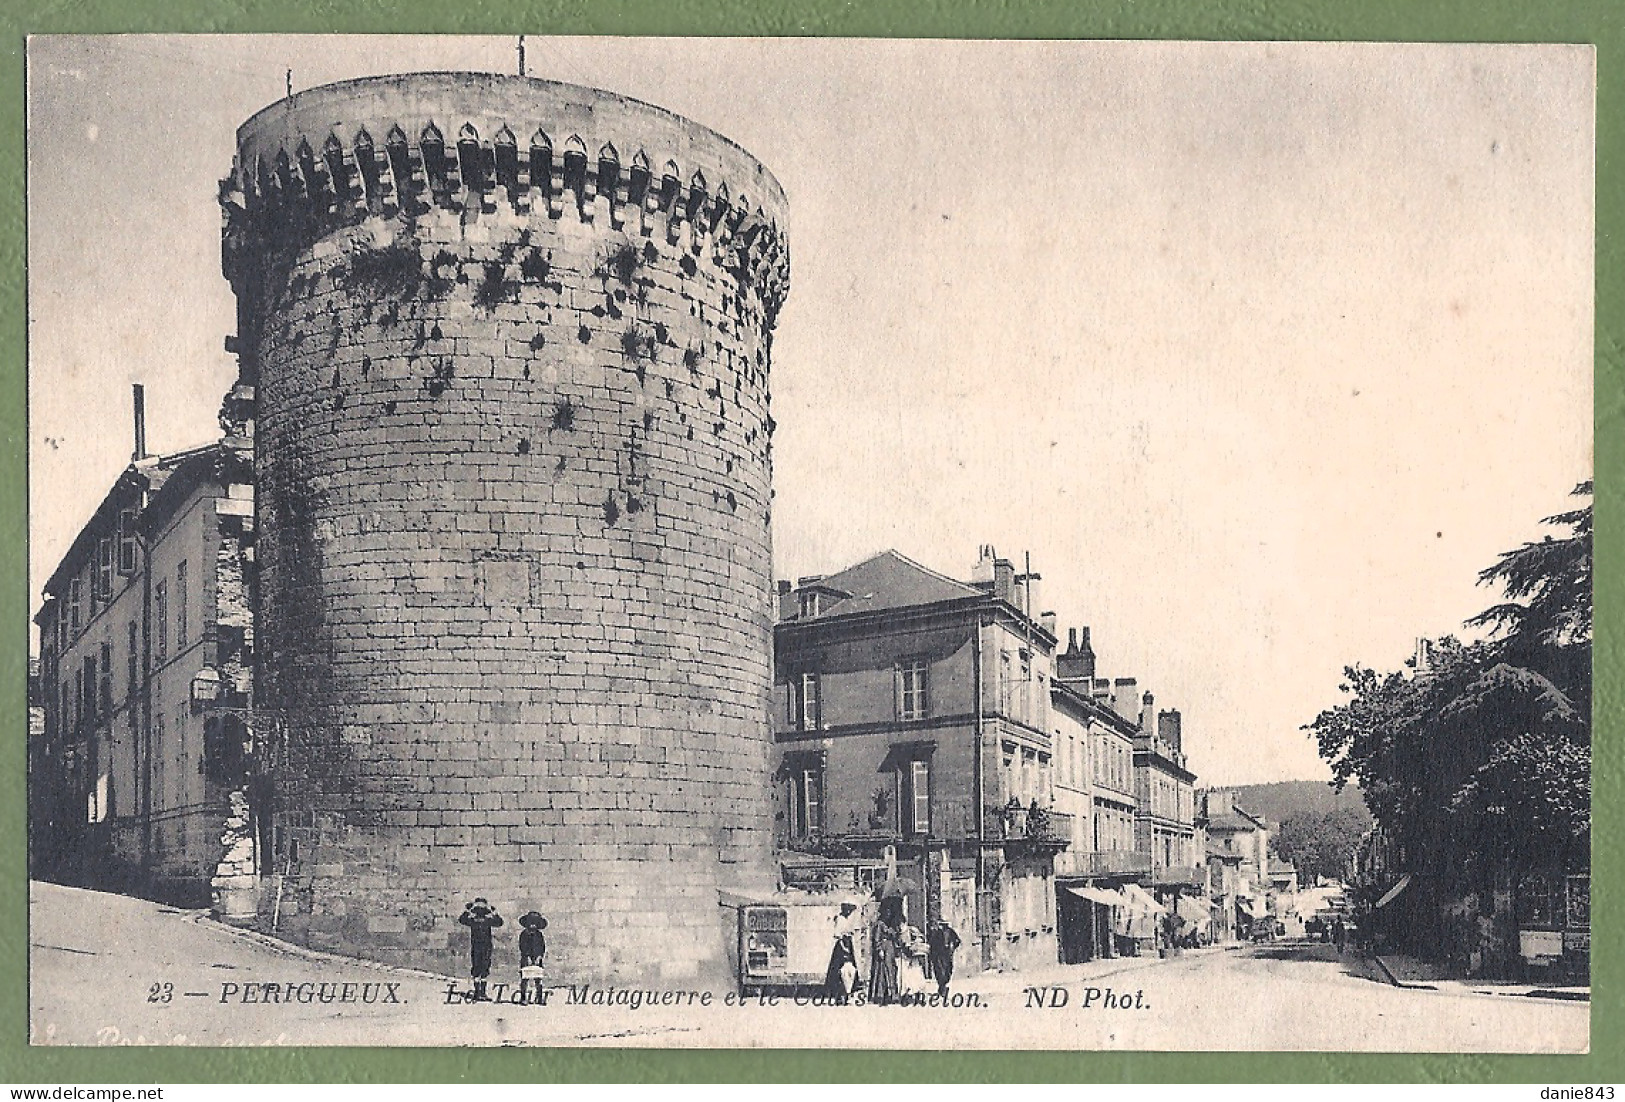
(505, 344)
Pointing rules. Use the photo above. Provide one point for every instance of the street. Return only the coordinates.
(108, 969)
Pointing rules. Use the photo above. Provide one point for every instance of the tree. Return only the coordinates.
(1552, 580)
(1482, 756)
(1320, 843)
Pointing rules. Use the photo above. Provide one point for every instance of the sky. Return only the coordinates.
(1261, 351)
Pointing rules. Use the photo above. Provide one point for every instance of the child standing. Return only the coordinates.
(480, 918)
(532, 948)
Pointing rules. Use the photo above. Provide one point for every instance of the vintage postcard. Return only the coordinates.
(810, 543)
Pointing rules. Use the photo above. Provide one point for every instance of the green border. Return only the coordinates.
(1594, 21)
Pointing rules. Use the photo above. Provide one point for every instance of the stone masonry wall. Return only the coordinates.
(513, 448)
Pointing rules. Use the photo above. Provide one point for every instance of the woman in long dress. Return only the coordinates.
(884, 939)
(843, 961)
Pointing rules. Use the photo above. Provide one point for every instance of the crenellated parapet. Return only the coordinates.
(479, 144)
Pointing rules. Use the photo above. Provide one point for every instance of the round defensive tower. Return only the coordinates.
(505, 344)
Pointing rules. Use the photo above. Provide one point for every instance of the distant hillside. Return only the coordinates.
(1277, 802)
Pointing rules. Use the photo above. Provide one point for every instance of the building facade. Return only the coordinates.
(1164, 789)
(1242, 839)
(142, 771)
(1091, 874)
(911, 723)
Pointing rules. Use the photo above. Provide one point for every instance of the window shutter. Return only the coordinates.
(104, 569)
(126, 542)
(814, 781)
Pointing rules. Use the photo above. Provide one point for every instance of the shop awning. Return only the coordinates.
(1104, 896)
(1393, 893)
(1192, 911)
(1139, 899)
(1245, 906)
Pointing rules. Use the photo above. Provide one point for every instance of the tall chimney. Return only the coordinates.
(1169, 724)
(1077, 663)
(983, 574)
(1126, 700)
(1004, 580)
(1030, 603)
(140, 422)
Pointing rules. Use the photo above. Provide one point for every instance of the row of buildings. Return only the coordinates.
(938, 727)
(923, 724)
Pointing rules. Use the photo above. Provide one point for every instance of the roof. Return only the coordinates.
(889, 580)
(149, 475)
(1231, 820)
(1065, 692)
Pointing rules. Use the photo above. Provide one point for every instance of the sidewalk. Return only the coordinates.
(1409, 972)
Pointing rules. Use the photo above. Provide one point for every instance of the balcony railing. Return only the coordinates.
(1178, 876)
(1045, 828)
(1117, 862)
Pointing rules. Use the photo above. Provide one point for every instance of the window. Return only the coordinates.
(126, 542)
(806, 796)
(104, 569)
(180, 607)
(806, 703)
(1024, 693)
(1578, 916)
(912, 697)
(87, 690)
(76, 599)
(160, 604)
(809, 604)
(182, 757)
(61, 618)
(158, 759)
(107, 679)
(134, 657)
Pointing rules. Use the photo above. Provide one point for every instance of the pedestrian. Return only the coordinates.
(842, 973)
(1170, 934)
(885, 938)
(532, 950)
(1340, 934)
(941, 943)
(480, 918)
